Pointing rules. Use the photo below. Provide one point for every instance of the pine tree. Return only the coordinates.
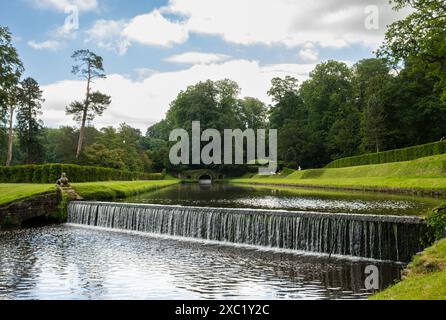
(90, 67)
(29, 127)
(11, 69)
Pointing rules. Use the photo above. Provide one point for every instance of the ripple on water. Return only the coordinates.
(65, 262)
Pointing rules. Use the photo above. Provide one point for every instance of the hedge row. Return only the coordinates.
(50, 173)
(397, 155)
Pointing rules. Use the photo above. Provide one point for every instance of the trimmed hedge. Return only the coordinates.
(50, 173)
(396, 155)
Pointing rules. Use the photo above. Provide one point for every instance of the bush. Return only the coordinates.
(50, 173)
(436, 223)
(396, 155)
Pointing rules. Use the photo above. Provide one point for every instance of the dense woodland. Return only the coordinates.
(394, 100)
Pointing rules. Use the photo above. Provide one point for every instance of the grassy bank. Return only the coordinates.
(118, 189)
(421, 175)
(12, 192)
(425, 278)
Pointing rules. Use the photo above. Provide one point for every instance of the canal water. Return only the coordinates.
(82, 262)
(294, 199)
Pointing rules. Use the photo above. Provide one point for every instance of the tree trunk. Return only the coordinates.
(84, 116)
(10, 137)
(81, 134)
(28, 151)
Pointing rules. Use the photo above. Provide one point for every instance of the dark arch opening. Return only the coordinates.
(205, 177)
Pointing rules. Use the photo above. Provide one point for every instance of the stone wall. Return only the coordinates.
(19, 212)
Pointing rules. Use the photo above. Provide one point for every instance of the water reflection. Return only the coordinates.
(229, 195)
(65, 262)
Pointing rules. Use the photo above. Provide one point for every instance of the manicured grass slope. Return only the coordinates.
(425, 279)
(424, 174)
(11, 192)
(119, 189)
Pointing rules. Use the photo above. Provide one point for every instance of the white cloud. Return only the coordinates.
(197, 58)
(154, 29)
(141, 103)
(148, 29)
(45, 45)
(144, 73)
(328, 23)
(62, 5)
(309, 53)
(107, 34)
(294, 24)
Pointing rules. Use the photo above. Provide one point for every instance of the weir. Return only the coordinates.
(368, 236)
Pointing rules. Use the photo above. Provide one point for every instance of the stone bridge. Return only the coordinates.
(204, 174)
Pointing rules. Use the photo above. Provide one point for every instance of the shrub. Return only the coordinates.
(436, 223)
(50, 173)
(396, 155)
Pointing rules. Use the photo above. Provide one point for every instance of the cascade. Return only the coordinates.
(368, 236)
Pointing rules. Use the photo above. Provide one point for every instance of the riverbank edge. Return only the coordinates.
(423, 279)
(44, 206)
(51, 206)
(119, 189)
(364, 188)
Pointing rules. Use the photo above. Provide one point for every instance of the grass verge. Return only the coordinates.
(425, 277)
(12, 192)
(118, 189)
(425, 175)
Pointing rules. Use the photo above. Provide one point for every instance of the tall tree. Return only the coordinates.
(287, 103)
(328, 96)
(90, 66)
(11, 69)
(29, 126)
(253, 113)
(420, 37)
(214, 104)
(365, 73)
(373, 129)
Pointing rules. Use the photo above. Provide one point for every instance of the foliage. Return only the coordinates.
(437, 223)
(397, 155)
(11, 68)
(29, 127)
(425, 277)
(98, 103)
(253, 113)
(89, 67)
(419, 38)
(51, 173)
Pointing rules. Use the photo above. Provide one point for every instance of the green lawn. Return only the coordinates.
(422, 174)
(119, 189)
(11, 192)
(425, 279)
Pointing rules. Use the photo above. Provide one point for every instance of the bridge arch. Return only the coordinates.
(198, 175)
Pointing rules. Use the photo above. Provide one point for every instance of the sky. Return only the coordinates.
(154, 49)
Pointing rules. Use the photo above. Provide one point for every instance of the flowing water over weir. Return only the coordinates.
(367, 236)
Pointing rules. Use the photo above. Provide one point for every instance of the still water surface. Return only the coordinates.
(297, 199)
(68, 262)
